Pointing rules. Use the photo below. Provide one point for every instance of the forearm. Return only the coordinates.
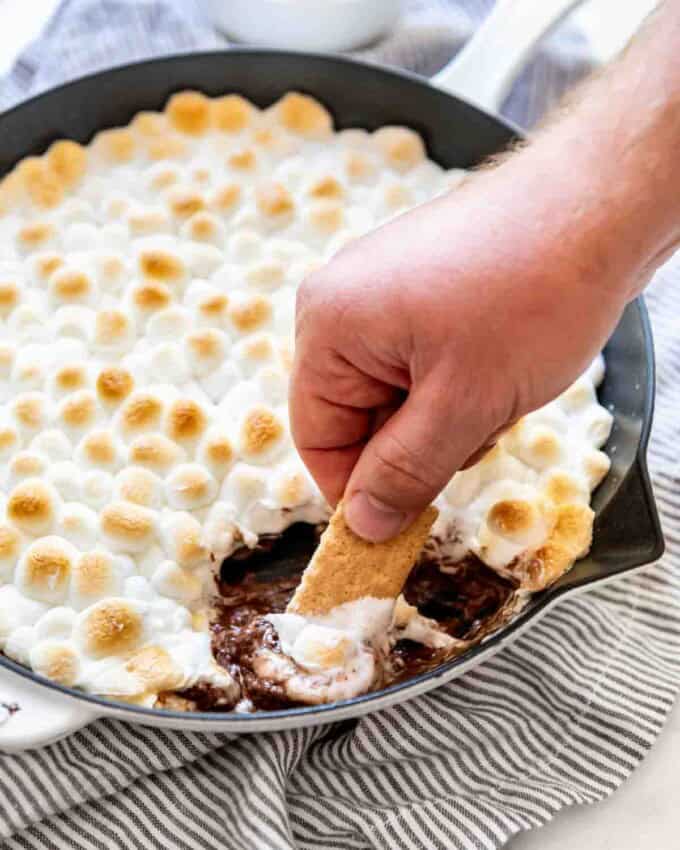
(602, 180)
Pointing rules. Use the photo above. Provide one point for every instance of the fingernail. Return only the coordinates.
(372, 519)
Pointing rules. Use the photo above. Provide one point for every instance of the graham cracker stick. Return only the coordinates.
(346, 567)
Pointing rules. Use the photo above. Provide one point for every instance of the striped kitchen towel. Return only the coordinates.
(560, 718)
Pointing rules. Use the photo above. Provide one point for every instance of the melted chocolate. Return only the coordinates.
(252, 583)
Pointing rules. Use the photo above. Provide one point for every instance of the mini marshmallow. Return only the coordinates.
(155, 452)
(189, 486)
(180, 535)
(76, 322)
(25, 464)
(78, 524)
(114, 333)
(140, 413)
(97, 488)
(77, 412)
(139, 485)
(172, 581)
(57, 661)
(244, 246)
(30, 412)
(10, 440)
(11, 546)
(101, 449)
(44, 569)
(71, 286)
(52, 444)
(168, 324)
(97, 574)
(65, 477)
(127, 527)
(168, 363)
(185, 421)
(203, 259)
(17, 611)
(113, 626)
(216, 452)
(32, 506)
(261, 435)
(55, 624)
(205, 349)
(205, 227)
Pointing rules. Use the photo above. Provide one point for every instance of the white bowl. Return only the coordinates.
(324, 25)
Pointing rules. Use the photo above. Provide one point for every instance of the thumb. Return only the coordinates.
(407, 462)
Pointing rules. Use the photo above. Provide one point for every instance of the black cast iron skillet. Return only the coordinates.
(627, 532)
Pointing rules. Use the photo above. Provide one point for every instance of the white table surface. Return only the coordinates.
(644, 812)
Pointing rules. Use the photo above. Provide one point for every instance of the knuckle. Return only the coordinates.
(404, 469)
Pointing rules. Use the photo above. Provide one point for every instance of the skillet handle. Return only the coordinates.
(32, 716)
(486, 67)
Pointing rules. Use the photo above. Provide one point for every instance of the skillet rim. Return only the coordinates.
(539, 604)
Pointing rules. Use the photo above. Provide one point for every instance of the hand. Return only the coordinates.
(420, 343)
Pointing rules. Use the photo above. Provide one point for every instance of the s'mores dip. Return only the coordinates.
(147, 299)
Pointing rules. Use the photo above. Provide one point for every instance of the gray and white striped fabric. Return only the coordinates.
(560, 718)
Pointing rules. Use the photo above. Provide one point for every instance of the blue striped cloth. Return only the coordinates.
(560, 718)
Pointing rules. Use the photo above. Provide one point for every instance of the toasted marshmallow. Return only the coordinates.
(180, 535)
(185, 421)
(172, 581)
(30, 412)
(111, 627)
(25, 464)
(184, 202)
(261, 435)
(225, 200)
(539, 446)
(162, 266)
(323, 648)
(127, 527)
(189, 486)
(232, 113)
(114, 385)
(204, 349)
(216, 452)
(77, 412)
(10, 296)
(140, 413)
(301, 114)
(101, 449)
(71, 286)
(9, 440)
(401, 148)
(32, 507)
(189, 112)
(67, 379)
(57, 661)
(139, 485)
(204, 227)
(114, 333)
(11, 545)
(96, 575)
(44, 570)
(249, 312)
